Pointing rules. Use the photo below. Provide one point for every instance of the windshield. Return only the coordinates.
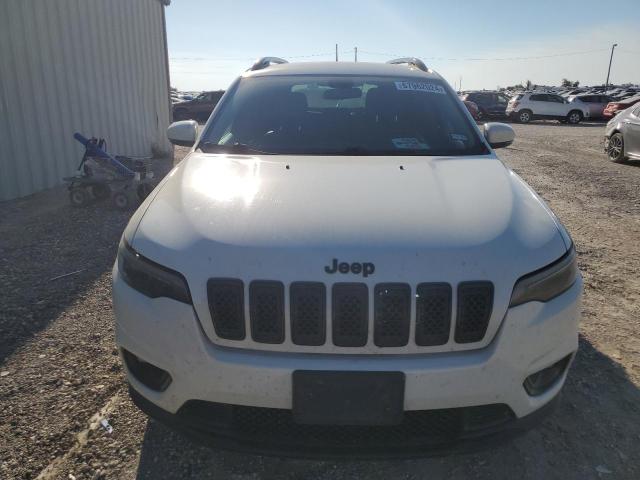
(341, 115)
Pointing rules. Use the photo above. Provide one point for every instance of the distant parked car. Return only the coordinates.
(622, 135)
(490, 104)
(624, 94)
(617, 106)
(197, 109)
(575, 91)
(473, 109)
(528, 106)
(594, 102)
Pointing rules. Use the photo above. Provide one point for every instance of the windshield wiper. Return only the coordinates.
(238, 148)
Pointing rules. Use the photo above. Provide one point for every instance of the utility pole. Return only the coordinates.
(460, 86)
(606, 85)
(355, 52)
(336, 52)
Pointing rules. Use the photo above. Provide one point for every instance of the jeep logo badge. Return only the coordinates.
(364, 269)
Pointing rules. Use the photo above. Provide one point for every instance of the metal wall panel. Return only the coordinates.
(98, 67)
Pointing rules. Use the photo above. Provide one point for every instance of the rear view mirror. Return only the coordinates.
(183, 133)
(499, 135)
(342, 93)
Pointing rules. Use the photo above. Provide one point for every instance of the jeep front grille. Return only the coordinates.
(392, 314)
(475, 302)
(226, 304)
(308, 313)
(433, 314)
(266, 300)
(348, 317)
(350, 314)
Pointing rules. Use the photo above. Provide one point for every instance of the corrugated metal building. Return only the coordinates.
(99, 67)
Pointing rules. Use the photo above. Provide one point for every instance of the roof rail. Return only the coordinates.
(412, 61)
(264, 62)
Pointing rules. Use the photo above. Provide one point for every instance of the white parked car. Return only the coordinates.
(528, 106)
(594, 102)
(341, 265)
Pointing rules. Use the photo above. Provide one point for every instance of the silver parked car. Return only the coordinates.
(622, 136)
(595, 103)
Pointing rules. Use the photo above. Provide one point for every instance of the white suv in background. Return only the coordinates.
(528, 106)
(342, 265)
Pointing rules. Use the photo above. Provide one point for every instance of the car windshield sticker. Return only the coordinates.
(409, 143)
(420, 87)
(458, 136)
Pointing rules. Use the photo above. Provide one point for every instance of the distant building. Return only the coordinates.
(99, 67)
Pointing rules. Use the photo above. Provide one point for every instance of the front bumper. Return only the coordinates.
(167, 334)
(270, 431)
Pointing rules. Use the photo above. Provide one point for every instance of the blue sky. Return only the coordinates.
(211, 42)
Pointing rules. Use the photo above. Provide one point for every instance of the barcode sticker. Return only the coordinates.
(421, 87)
(409, 143)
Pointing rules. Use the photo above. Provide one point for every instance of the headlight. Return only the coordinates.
(149, 278)
(547, 283)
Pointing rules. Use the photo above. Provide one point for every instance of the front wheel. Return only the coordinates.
(615, 148)
(524, 116)
(78, 197)
(120, 200)
(574, 117)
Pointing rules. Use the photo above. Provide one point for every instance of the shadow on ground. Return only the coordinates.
(51, 253)
(594, 430)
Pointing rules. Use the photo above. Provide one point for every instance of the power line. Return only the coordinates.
(489, 59)
(250, 59)
(628, 52)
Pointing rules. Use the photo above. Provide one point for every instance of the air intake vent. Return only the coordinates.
(350, 314)
(433, 313)
(308, 313)
(266, 301)
(475, 303)
(392, 306)
(226, 304)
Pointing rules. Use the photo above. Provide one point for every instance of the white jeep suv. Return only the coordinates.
(524, 107)
(342, 266)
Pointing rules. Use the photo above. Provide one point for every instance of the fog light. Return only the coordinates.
(541, 381)
(149, 375)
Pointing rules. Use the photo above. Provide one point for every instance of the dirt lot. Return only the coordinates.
(59, 373)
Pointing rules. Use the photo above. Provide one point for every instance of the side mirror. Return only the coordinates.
(183, 133)
(499, 135)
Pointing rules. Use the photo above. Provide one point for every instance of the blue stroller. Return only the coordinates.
(102, 176)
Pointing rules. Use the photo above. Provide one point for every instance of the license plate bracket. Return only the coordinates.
(323, 397)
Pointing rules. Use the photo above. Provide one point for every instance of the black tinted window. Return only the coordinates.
(342, 115)
(539, 97)
(483, 98)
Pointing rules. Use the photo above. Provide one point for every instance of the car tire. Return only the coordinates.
(615, 148)
(524, 116)
(574, 117)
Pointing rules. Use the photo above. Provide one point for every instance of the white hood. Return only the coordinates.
(418, 219)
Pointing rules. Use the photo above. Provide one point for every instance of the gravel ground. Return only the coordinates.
(60, 375)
